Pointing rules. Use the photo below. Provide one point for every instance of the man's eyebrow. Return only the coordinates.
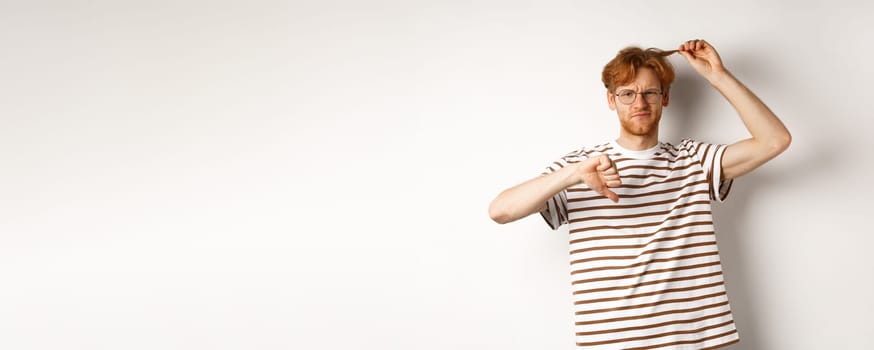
(644, 89)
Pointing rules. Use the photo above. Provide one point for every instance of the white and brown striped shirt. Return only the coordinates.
(645, 271)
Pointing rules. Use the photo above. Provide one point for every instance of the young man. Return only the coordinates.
(645, 268)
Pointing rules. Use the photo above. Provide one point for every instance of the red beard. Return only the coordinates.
(640, 127)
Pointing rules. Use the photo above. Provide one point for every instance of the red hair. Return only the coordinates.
(622, 68)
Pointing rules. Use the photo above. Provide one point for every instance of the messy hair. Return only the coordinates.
(622, 68)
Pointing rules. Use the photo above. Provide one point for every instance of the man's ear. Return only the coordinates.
(611, 100)
(667, 98)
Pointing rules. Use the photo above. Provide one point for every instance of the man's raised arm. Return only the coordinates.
(769, 137)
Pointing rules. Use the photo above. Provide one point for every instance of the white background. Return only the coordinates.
(316, 175)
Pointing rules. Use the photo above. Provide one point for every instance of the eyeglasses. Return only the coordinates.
(628, 96)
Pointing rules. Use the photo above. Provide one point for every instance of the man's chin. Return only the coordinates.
(641, 126)
(639, 130)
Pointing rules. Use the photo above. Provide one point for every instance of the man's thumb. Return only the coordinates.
(611, 195)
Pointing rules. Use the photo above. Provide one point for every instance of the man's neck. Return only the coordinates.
(637, 143)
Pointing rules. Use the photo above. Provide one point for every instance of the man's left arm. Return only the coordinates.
(768, 136)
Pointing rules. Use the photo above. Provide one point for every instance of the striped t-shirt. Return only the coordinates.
(645, 271)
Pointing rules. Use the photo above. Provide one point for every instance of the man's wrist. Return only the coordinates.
(572, 174)
(720, 77)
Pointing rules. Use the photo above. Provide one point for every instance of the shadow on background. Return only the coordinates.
(680, 119)
(687, 105)
(735, 230)
(733, 224)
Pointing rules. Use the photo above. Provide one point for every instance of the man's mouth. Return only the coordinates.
(640, 115)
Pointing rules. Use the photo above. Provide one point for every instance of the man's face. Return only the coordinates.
(640, 118)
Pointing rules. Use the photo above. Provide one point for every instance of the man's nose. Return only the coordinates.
(639, 102)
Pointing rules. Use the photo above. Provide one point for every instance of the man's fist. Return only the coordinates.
(702, 56)
(599, 173)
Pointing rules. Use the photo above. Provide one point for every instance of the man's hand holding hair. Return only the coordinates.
(702, 57)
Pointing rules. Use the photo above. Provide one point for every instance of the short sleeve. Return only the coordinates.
(555, 213)
(710, 158)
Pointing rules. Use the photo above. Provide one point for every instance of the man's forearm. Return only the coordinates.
(769, 137)
(762, 124)
(530, 196)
